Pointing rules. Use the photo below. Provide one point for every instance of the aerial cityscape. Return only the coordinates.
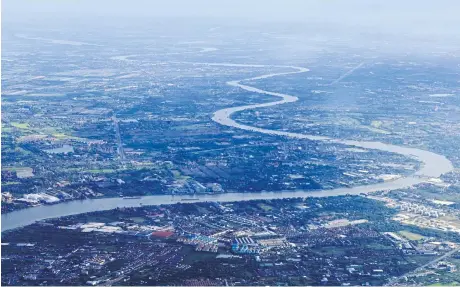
(227, 153)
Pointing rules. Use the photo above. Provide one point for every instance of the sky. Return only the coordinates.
(411, 17)
(382, 12)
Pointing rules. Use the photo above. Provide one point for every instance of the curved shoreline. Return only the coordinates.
(433, 165)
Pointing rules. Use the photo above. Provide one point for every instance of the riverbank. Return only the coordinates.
(433, 165)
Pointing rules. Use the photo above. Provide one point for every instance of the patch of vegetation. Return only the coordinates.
(10, 183)
(265, 206)
(410, 235)
(23, 126)
(104, 170)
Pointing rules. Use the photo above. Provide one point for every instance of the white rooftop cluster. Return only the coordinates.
(43, 197)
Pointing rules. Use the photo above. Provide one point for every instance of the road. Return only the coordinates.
(419, 269)
(120, 150)
(432, 165)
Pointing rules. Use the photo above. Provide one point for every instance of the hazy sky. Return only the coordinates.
(418, 17)
(353, 11)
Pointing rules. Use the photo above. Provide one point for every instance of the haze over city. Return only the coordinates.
(236, 143)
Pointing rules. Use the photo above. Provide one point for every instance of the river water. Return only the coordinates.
(433, 165)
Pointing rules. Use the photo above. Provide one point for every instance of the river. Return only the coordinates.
(432, 165)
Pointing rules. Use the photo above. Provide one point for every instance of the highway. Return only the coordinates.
(432, 165)
(120, 150)
(419, 269)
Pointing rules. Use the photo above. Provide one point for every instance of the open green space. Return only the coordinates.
(18, 125)
(410, 235)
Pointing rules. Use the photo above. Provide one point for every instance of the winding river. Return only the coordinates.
(433, 165)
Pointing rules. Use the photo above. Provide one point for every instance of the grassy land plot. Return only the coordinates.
(410, 235)
(22, 126)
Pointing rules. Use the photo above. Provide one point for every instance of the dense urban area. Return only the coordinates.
(347, 240)
(90, 118)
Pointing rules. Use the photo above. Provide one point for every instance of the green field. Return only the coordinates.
(104, 170)
(179, 176)
(23, 126)
(265, 207)
(410, 235)
(10, 183)
(62, 136)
